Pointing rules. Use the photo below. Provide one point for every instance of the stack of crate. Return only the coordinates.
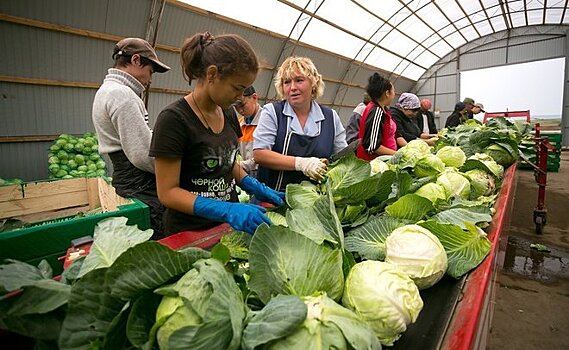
(553, 158)
(47, 215)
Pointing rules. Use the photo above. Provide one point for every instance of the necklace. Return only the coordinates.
(202, 113)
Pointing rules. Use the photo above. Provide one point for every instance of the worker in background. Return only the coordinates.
(249, 112)
(404, 113)
(425, 119)
(121, 122)
(478, 108)
(378, 131)
(469, 104)
(353, 128)
(196, 140)
(296, 135)
(458, 116)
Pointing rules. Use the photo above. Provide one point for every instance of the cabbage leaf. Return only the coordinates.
(465, 249)
(284, 262)
(368, 240)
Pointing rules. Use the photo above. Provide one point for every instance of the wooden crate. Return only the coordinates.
(53, 213)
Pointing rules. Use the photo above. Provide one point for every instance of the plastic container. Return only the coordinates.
(56, 212)
(553, 158)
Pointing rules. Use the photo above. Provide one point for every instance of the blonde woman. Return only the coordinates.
(296, 136)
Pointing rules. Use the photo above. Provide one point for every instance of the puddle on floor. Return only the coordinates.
(522, 260)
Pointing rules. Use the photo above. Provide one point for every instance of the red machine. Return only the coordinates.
(200, 239)
(513, 114)
(542, 147)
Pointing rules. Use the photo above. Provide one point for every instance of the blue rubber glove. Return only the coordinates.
(242, 217)
(261, 191)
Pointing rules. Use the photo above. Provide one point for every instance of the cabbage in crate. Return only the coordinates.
(72, 156)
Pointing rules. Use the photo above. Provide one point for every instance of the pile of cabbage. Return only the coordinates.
(341, 266)
(71, 156)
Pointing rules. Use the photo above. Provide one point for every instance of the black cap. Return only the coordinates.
(249, 91)
(459, 106)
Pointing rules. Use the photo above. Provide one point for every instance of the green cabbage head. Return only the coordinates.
(452, 156)
(203, 309)
(417, 252)
(328, 325)
(386, 298)
(496, 169)
(410, 154)
(481, 183)
(455, 184)
(501, 155)
(428, 165)
(432, 191)
(418, 145)
(378, 166)
(173, 315)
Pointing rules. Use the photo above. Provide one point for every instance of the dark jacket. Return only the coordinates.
(455, 119)
(406, 127)
(430, 121)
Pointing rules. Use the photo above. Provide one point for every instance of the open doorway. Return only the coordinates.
(535, 86)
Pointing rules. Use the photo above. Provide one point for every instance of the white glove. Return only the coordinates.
(311, 167)
(248, 164)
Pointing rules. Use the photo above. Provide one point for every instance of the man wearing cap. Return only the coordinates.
(458, 116)
(477, 108)
(469, 103)
(249, 112)
(121, 122)
(404, 115)
(353, 128)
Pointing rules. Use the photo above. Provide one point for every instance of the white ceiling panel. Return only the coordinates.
(417, 33)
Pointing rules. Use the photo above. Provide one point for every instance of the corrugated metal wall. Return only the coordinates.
(441, 83)
(56, 53)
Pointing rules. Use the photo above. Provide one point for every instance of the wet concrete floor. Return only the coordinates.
(524, 261)
(531, 309)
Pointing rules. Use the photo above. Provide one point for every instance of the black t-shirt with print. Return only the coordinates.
(207, 158)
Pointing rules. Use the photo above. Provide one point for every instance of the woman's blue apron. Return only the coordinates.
(293, 144)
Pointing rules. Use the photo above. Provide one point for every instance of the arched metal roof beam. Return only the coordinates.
(482, 20)
(552, 31)
(412, 13)
(564, 9)
(288, 42)
(544, 9)
(366, 41)
(385, 23)
(351, 63)
(345, 30)
(487, 17)
(526, 12)
(506, 13)
(448, 19)
(468, 18)
(394, 27)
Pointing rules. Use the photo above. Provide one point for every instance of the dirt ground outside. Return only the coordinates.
(532, 306)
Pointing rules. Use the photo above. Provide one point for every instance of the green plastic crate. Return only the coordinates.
(53, 211)
(553, 159)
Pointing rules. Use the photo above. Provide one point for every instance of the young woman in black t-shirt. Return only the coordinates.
(195, 141)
